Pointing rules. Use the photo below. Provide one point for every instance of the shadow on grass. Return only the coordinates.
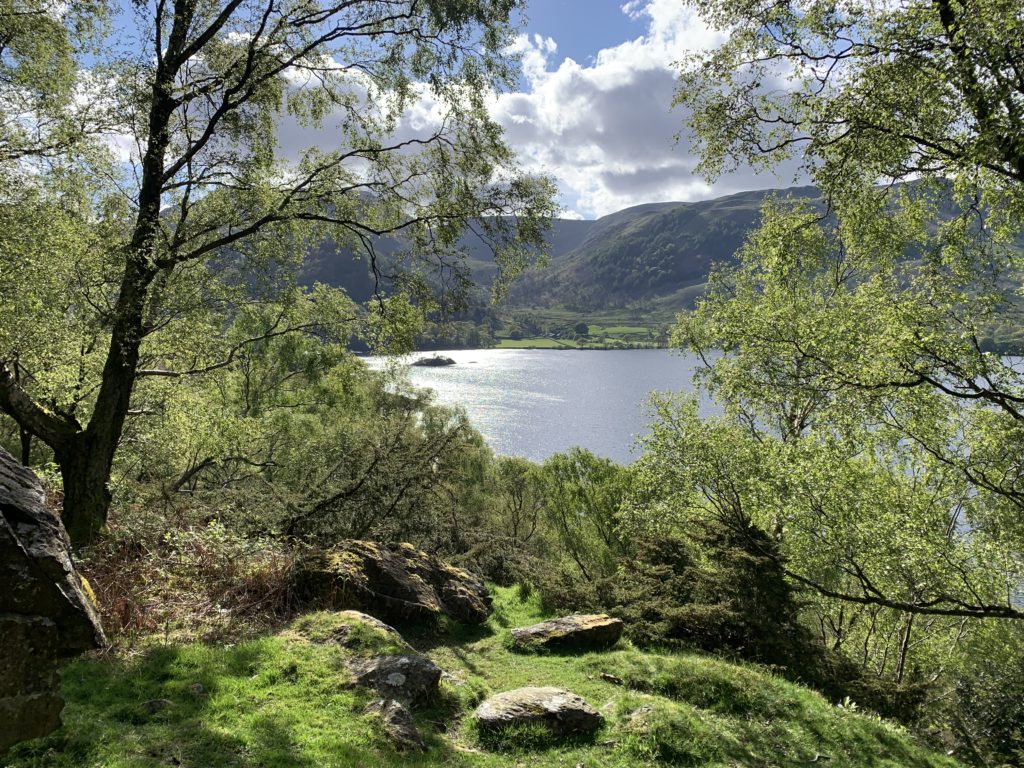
(424, 637)
(528, 737)
(154, 709)
(561, 649)
(260, 703)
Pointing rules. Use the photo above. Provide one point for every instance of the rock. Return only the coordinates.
(353, 630)
(29, 716)
(411, 679)
(576, 632)
(561, 711)
(373, 623)
(434, 362)
(396, 582)
(398, 724)
(46, 614)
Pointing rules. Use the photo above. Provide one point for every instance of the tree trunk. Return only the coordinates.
(86, 456)
(901, 664)
(85, 470)
(26, 446)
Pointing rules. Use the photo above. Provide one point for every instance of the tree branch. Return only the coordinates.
(49, 427)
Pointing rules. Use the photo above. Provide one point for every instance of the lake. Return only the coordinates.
(537, 402)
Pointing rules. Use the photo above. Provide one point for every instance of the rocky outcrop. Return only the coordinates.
(398, 724)
(46, 614)
(411, 678)
(560, 711)
(576, 632)
(395, 582)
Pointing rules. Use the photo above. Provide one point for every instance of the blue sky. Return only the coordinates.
(582, 27)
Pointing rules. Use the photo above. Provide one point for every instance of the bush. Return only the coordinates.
(718, 591)
(986, 710)
(196, 581)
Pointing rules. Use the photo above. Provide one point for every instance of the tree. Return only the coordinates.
(209, 210)
(40, 43)
(864, 90)
(582, 495)
(860, 332)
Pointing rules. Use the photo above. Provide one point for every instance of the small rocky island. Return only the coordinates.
(434, 362)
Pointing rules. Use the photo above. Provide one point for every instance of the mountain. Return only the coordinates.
(343, 268)
(646, 263)
(660, 253)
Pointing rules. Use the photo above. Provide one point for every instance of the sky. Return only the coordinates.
(594, 105)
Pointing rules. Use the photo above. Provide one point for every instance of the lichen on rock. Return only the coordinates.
(562, 712)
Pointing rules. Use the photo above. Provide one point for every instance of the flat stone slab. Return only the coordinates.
(561, 711)
(576, 632)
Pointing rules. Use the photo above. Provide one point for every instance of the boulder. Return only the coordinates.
(576, 632)
(398, 724)
(560, 711)
(395, 582)
(46, 614)
(411, 679)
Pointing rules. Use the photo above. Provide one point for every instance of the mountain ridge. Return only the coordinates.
(575, 245)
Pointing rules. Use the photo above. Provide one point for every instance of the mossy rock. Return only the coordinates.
(560, 712)
(356, 631)
(395, 582)
(570, 633)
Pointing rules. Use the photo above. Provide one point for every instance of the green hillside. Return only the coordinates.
(283, 703)
(639, 266)
(658, 254)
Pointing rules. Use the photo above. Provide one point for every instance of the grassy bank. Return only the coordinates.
(276, 701)
(609, 329)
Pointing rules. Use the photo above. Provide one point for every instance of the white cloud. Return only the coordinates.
(606, 130)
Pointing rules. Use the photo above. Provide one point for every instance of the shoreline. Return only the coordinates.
(542, 347)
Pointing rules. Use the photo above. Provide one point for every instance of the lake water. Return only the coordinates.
(535, 403)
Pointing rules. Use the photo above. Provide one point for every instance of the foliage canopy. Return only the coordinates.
(176, 203)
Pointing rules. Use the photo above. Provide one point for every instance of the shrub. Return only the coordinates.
(716, 590)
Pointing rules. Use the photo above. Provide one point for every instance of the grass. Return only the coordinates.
(607, 329)
(536, 343)
(283, 700)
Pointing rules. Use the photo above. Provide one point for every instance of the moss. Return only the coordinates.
(349, 630)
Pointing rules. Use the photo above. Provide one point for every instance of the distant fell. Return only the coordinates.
(659, 252)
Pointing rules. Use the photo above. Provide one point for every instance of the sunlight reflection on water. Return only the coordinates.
(535, 403)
